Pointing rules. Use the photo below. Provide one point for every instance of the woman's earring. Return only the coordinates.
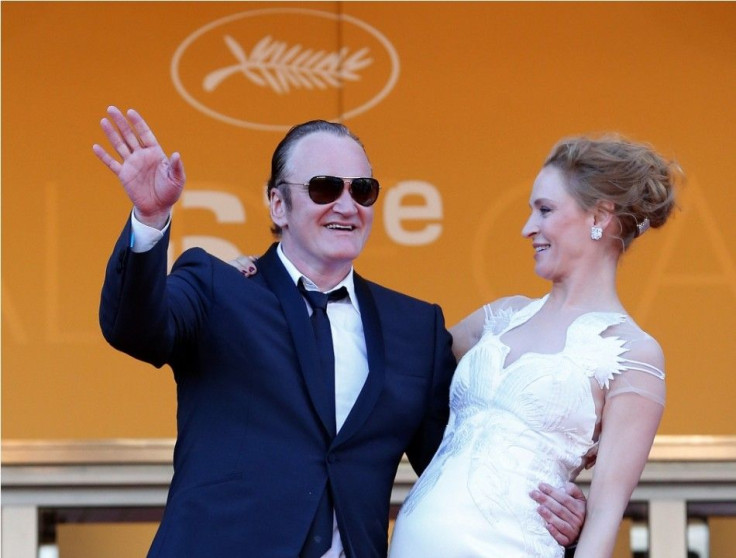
(596, 233)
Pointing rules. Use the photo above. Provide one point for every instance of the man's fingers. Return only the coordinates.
(115, 139)
(560, 537)
(560, 530)
(563, 511)
(176, 169)
(126, 135)
(103, 156)
(147, 139)
(574, 491)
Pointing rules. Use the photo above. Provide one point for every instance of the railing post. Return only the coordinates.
(20, 531)
(667, 529)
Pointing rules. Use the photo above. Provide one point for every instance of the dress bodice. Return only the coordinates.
(512, 425)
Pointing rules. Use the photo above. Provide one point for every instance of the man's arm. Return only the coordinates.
(132, 313)
(428, 438)
(132, 304)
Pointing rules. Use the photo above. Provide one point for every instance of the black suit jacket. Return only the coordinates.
(254, 453)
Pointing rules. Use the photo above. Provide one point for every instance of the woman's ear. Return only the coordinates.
(603, 214)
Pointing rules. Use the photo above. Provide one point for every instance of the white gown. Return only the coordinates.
(510, 428)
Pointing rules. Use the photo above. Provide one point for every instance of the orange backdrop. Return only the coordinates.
(458, 103)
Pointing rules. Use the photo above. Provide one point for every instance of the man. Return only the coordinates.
(281, 452)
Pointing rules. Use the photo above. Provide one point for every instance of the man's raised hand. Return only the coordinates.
(152, 180)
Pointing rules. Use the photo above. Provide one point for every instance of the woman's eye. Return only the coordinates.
(544, 210)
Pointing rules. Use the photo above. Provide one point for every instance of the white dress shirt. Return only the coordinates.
(351, 360)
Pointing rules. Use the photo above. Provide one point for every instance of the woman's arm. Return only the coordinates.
(629, 423)
(467, 332)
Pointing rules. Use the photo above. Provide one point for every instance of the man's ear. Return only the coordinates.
(277, 208)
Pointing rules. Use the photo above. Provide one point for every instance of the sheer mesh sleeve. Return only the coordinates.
(641, 383)
(643, 373)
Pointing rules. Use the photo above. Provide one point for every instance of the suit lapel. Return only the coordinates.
(376, 352)
(297, 317)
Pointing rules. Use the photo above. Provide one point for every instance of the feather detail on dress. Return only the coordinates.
(600, 356)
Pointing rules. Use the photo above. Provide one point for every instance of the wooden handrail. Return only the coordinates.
(160, 450)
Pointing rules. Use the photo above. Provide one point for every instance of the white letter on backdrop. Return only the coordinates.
(430, 210)
(227, 209)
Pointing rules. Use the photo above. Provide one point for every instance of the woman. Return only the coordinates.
(543, 384)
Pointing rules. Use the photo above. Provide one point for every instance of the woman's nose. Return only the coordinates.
(529, 229)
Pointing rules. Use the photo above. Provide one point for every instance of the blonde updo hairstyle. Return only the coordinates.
(638, 181)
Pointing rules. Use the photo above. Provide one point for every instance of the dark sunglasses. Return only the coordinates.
(326, 189)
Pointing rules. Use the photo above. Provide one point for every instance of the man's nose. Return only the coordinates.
(345, 202)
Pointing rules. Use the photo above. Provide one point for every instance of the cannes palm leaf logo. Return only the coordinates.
(282, 68)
